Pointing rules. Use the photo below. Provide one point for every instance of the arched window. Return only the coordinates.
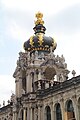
(48, 113)
(70, 110)
(58, 112)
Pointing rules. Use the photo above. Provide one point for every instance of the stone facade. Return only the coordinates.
(43, 89)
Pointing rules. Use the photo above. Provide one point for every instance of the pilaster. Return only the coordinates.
(28, 114)
(51, 106)
(31, 114)
(35, 113)
(63, 109)
(39, 75)
(39, 113)
(43, 113)
(20, 87)
(29, 82)
(75, 105)
(14, 113)
(24, 114)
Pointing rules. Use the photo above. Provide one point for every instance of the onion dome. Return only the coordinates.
(39, 41)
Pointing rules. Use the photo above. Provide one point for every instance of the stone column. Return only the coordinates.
(54, 115)
(24, 114)
(35, 77)
(43, 113)
(14, 115)
(41, 110)
(51, 106)
(28, 114)
(26, 83)
(39, 113)
(76, 112)
(20, 87)
(75, 106)
(31, 114)
(17, 86)
(62, 109)
(35, 114)
(29, 83)
(39, 75)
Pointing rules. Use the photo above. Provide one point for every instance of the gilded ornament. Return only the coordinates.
(39, 18)
(54, 44)
(31, 40)
(39, 15)
(40, 37)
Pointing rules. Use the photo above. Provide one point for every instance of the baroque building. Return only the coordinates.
(43, 90)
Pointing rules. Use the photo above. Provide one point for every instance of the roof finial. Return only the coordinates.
(39, 16)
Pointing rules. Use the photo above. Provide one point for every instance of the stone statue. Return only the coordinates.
(62, 59)
(22, 60)
(36, 54)
(61, 78)
(73, 73)
(42, 55)
(32, 57)
(60, 62)
(17, 70)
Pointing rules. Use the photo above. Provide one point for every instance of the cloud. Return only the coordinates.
(15, 31)
(69, 47)
(35, 5)
(67, 20)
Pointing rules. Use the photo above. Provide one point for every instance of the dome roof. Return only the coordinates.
(39, 41)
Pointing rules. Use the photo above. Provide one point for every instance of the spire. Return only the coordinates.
(39, 28)
(39, 41)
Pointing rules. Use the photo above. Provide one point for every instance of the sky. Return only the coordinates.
(62, 21)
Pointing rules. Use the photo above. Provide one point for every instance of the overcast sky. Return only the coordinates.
(62, 21)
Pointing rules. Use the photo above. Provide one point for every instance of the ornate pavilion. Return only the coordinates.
(43, 90)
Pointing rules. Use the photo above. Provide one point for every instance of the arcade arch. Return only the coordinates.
(70, 115)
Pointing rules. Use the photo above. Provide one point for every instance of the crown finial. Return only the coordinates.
(39, 17)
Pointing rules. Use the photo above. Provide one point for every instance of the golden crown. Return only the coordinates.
(39, 17)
